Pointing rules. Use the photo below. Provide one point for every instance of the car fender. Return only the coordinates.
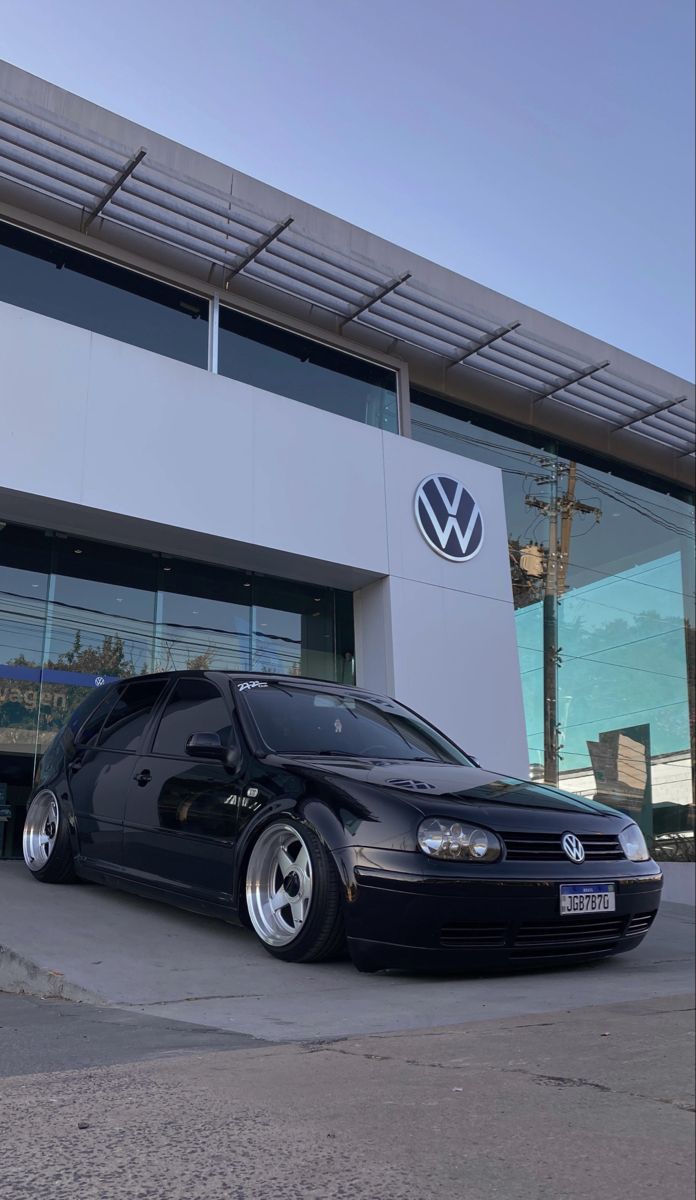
(315, 812)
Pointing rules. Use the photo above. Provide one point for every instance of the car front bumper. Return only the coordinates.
(406, 911)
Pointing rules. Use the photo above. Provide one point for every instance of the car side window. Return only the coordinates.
(88, 730)
(194, 706)
(124, 725)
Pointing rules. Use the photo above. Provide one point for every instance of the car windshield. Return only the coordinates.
(309, 721)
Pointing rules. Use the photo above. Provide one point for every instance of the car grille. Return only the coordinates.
(567, 936)
(564, 936)
(473, 935)
(546, 847)
(640, 923)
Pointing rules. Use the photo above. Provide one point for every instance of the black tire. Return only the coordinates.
(321, 936)
(59, 867)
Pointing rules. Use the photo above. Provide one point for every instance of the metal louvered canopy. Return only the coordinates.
(53, 166)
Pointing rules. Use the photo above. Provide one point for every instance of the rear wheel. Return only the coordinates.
(46, 841)
(293, 894)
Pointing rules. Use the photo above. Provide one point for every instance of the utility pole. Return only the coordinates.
(557, 560)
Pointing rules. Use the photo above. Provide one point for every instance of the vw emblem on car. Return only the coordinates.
(573, 847)
(449, 518)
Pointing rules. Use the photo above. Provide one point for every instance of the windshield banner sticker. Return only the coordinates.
(250, 683)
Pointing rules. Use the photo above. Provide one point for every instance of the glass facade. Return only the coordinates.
(81, 289)
(277, 360)
(58, 281)
(75, 614)
(603, 583)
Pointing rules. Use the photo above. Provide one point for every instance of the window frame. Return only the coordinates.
(145, 735)
(176, 284)
(309, 334)
(108, 701)
(160, 708)
(217, 298)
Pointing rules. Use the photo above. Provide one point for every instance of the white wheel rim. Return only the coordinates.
(279, 885)
(40, 830)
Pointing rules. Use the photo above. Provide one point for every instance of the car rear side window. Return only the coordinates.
(125, 723)
(88, 730)
(195, 706)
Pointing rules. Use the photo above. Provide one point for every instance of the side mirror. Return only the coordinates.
(209, 746)
(206, 745)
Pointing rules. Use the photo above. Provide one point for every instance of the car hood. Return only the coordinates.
(425, 786)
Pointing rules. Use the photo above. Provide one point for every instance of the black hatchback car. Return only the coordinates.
(321, 815)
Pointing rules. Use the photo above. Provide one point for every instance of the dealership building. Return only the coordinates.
(240, 433)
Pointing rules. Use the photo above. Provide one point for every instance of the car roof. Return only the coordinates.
(266, 676)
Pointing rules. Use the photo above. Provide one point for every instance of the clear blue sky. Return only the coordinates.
(542, 147)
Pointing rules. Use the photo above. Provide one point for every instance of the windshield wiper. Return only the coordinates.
(360, 754)
(325, 754)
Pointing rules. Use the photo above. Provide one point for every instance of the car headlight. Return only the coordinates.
(441, 838)
(633, 844)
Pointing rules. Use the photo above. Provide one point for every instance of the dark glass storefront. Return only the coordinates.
(603, 581)
(75, 614)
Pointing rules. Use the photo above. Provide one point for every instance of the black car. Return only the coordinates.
(321, 815)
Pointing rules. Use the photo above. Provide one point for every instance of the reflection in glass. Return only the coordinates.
(607, 659)
(24, 585)
(51, 278)
(279, 361)
(203, 618)
(293, 629)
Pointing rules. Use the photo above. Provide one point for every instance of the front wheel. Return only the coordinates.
(293, 894)
(46, 841)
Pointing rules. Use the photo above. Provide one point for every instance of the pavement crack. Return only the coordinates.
(578, 1081)
(192, 999)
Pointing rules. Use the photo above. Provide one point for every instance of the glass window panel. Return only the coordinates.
(293, 629)
(626, 609)
(81, 289)
(87, 730)
(24, 576)
(204, 618)
(125, 724)
(195, 706)
(279, 361)
(100, 624)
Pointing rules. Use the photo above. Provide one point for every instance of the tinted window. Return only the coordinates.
(280, 361)
(126, 721)
(195, 706)
(50, 278)
(89, 729)
(296, 720)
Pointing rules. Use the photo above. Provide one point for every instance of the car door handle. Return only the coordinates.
(75, 765)
(142, 778)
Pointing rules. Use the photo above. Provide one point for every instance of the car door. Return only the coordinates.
(100, 772)
(181, 810)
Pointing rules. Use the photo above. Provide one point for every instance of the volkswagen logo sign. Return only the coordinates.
(573, 847)
(449, 518)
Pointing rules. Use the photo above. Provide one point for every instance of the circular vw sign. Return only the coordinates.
(449, 518)
(573, 847)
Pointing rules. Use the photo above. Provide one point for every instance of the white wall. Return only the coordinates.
(94, 423)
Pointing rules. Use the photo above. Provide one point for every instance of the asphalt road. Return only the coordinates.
(570, 1105)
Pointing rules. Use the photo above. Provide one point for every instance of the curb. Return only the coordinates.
(21, 976)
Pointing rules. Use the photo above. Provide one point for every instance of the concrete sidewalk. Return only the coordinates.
(88, 943)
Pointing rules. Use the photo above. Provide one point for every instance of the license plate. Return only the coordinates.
(587, 898)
